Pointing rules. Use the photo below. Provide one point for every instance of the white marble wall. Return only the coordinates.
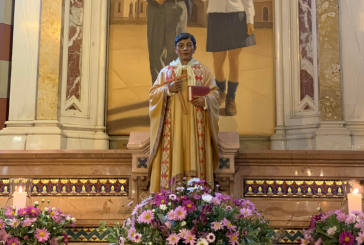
(352, 58)
(24, 76)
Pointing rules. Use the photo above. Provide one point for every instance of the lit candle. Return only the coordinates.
(355, 201)
(20, 199)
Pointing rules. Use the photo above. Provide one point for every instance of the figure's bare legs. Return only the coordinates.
(219, 63)
(234, 64)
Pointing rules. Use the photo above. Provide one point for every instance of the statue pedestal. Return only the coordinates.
(228, 143)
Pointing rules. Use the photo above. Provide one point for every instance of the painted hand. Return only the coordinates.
(199, 102)
(175, 86)
(160, 1)
(250, 29)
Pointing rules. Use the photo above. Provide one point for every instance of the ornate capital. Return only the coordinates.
(142, 182)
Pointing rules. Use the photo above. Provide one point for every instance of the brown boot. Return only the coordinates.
(222, 97)
(230, 107)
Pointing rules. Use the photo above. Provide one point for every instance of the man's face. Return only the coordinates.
(185, 49)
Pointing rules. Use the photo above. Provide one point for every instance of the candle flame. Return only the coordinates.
(356, 191)
(20, 189)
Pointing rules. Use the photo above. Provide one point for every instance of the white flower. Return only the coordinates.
(68, 218)
(42, 200)
(318, 208)
(150, 243)
(169, 204)
(191, 189)
(36, 203)
(162, 207)
(202, 241)
(211, 237)
(207, 198)
(191, 181)
(46, 209)
(54, 208)
(183, 223)
(73, 219)
(54, 228)
(180, 188)
(153, 210)
(334, 228)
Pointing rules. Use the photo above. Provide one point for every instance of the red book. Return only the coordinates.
(196, 91)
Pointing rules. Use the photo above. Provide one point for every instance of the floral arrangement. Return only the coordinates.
(193, 214)
(335, 227)
(31, 225)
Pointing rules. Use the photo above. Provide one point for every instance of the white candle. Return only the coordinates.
(354, 201)
(20, 199)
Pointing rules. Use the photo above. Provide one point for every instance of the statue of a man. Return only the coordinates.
(183, 144)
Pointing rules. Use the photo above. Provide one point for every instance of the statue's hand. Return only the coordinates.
(160, 1)
(199, 101)
(250, 29)
(175, 86)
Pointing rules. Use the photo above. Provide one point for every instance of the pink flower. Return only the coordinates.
(180, 213)
(304, 242)
(196, 197)
(10, 212)
(162, 200)
(2, 224)
(361, 217)
(190, 239)
(3, 236)
(137, 237)
(168, 224)
(171, 215)
(34, 212)
(122, 240)
(346, 238)
(146, 217)
(246, 212)
(42, 235)
(13, 241)
(341, 217)
(359, 226)
(53, 241)
(173, 197)
(27, 222)
(350, 219)
(228, 224)
(22, 212)
(189, 205)
(233, 237)
(131, 233)
(183, 233)
(319, 241)
(216, 201)
(216, 226)
(26, 238)
(210, 237)
(14, 223)
(360, 238)
(331, 231)
(173, 239)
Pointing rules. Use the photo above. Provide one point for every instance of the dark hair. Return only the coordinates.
(184, 36)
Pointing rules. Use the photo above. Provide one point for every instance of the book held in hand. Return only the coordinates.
(197, 91)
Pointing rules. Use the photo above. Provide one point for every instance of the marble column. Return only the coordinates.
(331, 134)
(6, 32)
(352, 63)
(24, 74)
(49, 60)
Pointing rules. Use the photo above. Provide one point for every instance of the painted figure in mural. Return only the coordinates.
(165, 20)
(230, 28)
(182, 145)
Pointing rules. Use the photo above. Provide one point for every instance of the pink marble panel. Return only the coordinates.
(306, 48)
(75, 49)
